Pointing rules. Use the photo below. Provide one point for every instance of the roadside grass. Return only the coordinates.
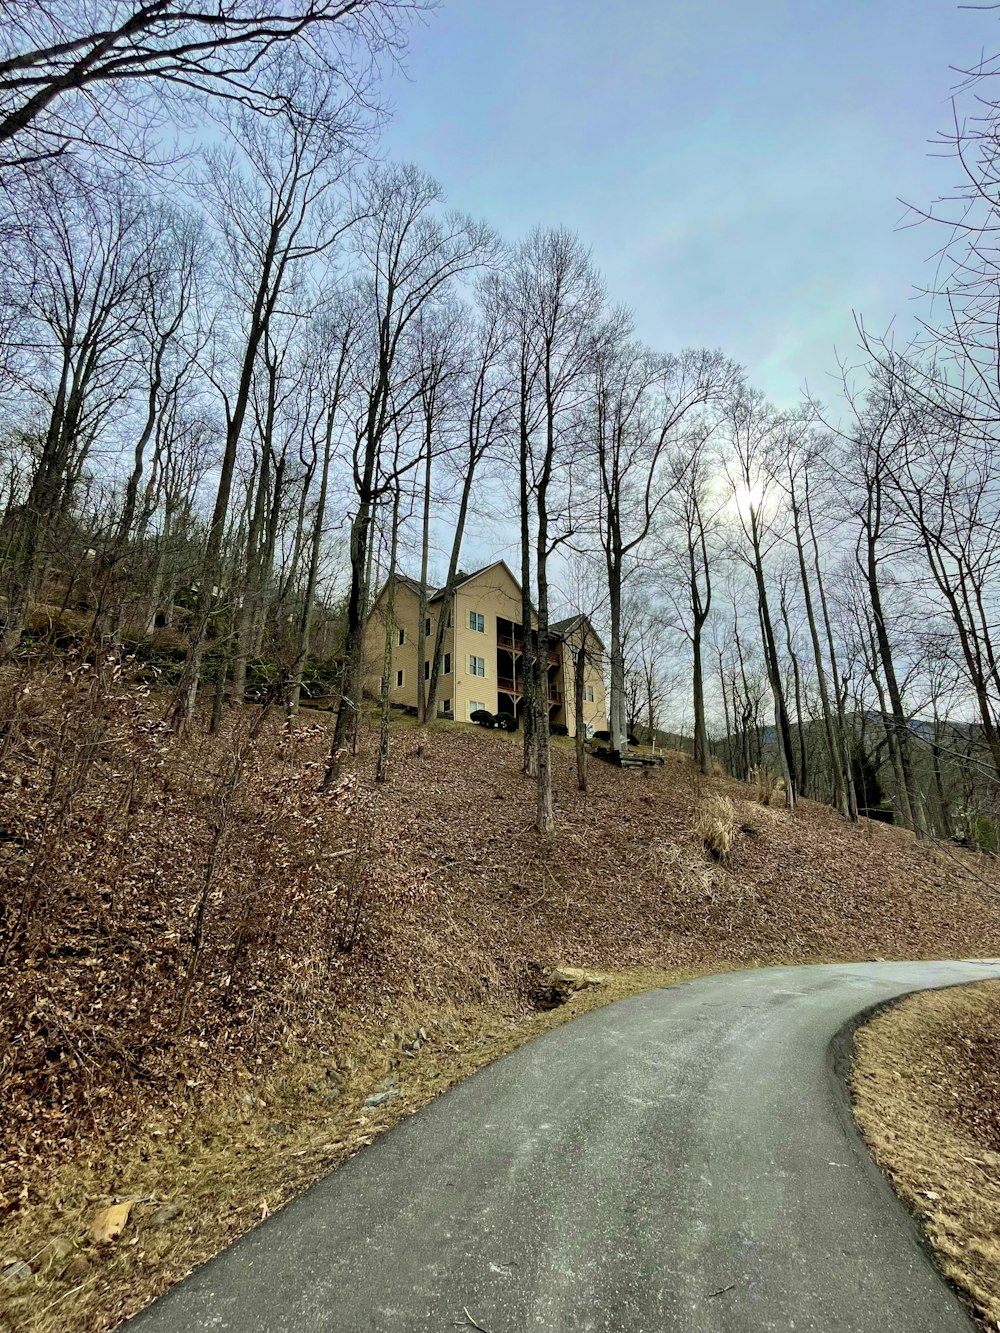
(237, 1156)
(927, 1100)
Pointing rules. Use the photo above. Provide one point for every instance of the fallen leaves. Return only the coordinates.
(452, 893)
(109, 1223)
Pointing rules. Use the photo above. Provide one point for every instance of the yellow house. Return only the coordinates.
(483, 651)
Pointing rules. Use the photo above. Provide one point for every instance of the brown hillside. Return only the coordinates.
(625, 883)
(180, 914)
(434, 886)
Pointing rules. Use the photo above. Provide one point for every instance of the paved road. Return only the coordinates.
(684, 1160)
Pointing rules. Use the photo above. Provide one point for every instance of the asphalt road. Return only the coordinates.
(684, 1160)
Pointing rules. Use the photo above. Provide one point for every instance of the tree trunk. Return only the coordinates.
(382, 762)
(578, 687)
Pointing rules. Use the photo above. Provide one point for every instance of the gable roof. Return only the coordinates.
(558, 629)
(562, 629)
(461, 578)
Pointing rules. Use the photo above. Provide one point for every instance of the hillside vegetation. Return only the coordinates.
(181, 918)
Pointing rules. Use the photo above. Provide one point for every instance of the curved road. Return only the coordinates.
(684, 1160)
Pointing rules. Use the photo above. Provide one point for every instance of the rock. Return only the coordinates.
(16, 1273)
(576, 978)
(377, 1098)
(76, 1270)
(422, 1034)
(56, 1252)
(549, 989)
(165, 1213)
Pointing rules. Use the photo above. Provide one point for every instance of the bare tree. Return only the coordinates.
(486, 399)
(694, 527)
(83, 271)
(555, 301)
(641, 401)
(99, 74)
(277, 210)
(411, 256)
(751, 424)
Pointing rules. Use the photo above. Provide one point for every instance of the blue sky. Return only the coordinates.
(736, 167)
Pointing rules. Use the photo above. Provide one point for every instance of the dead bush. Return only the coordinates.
(768, 788)
(716, 826)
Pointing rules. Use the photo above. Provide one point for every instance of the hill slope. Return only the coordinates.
(209, 959)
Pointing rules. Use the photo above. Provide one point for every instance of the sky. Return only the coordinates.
(736, 166)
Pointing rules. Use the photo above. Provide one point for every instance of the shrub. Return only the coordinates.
(632, 740)
(716, 826)
(558, 729)
(320, 678)
(602, 735)
(483, 717)
(507, 721)
(768, 789)
(981, 832)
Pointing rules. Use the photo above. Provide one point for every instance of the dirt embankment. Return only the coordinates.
(927, 1099)
(206, 957)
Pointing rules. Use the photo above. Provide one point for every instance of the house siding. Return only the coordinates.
(495, 595)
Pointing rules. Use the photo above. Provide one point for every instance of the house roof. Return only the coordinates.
(563, 628)
(461, 578)
(559, 629)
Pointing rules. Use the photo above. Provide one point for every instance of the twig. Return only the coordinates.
(721, 1291)
(72, 1292)
(472, 1323)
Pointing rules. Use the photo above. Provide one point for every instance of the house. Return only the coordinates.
(483, 658)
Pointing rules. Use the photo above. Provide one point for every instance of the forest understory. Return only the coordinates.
(209, 965)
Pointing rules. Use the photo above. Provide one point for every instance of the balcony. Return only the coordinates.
(507, 685)
(511, 643)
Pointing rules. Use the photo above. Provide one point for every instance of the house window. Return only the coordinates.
(447, 664)
(475, 705)
(588, 693)
(427, 627)
(399, 680)
(589, 730)
(477, 621)
(477, 666)
(427, 670)
(446, 706)
(401, 638)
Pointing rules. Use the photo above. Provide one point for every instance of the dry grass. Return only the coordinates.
(716, 826)
(766, 787)
(927, 1098)
(241, 1154)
